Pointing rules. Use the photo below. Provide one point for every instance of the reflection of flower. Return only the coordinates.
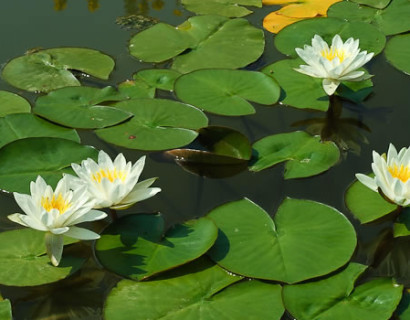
(392, 175)
(113, 184)
(56, 213)
(335, 64)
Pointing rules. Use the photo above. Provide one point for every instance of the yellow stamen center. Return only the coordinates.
(402, 173)
(109, 174)
(333, 53)
(58, 203)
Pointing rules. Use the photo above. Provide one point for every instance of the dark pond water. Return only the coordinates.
(386, 114)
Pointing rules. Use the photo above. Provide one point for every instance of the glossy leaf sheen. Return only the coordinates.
(135, 246)
(335, 298)
(304, 240)
(398, 51)
(198, 291)
(23, 160)
(157, 125)
(47, 70)
(23, 261)
(226, 8)
(226, 92)
(305, 155)
(13, 103)
(26, 125)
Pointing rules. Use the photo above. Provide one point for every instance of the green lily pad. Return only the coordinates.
(206, 36)
(49, 69)
(305, 155)
(397, 52)
(365, 204)
(403, 309)
(298, 90)
(379, 4)
(26, 125)
(5, 309)
(12, 103)
(24, 262)
(401, 227)
(301, 33)
(389, 20)
(356, 91)
(304, 240)
(226, 8)
(134, 89)
(157, 124)
(23, 160)
(159, 78)
(136, 247)
(336, 298)
(199, 290)
(80, 107)
(226, 92)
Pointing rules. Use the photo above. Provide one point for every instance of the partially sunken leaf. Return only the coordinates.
(379, 4)
(136, 247)
(49, 69)
(207, 36)
(305, 155)
(199, 290)
(226, 92)
(26, 125)
(12, 103)
(157, 124)
(299, 34)
(365, 204)
(226, 8)
(23, 160)
(81, 107)
(24, 262)
(336, 298)
(402, 225)
(388, 20)
(294, 11)
(398, 51)
(304, 240)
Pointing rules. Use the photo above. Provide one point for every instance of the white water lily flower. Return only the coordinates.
(335, 64)
(113, 184)
(392, 175)
(56, 212)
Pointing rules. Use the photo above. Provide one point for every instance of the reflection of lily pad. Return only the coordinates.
(336, 298)
(19, 126)
(47, 70)
(12, 103)
(204, 36)
(23, 160)
(157, 125)
(304, 240)
(226, 8)
(301, 33)
(199, 290)
(24, 262)
(226, 91)
(80, 107)
(305, 155)
(136, 247)
(398, 52)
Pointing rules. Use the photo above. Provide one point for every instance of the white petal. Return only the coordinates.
(91, 215)
(136, 196)
(82, 234)
(54, 246)
(330, 86)
(367, 181)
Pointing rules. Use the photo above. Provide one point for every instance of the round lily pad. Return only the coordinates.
(26, 125)
(336, 298)
(304, 240)
(80, 107)
(226, 8)
(157, 124)
(196, 291)
(13, 103)
(389, 20)
(159, 78)
(301, 33)
(226, 92)
(23, 160)
(365, 204)
(304, 154)
(137, 88)
(49, 69)
(398, 51)
(24, 262)
(206, 36)
(136, 247)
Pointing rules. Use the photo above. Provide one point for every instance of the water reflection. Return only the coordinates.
(131, 6)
